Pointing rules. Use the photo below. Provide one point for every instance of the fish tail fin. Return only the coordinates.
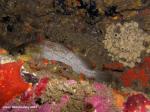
(108, 78)
(101, 76)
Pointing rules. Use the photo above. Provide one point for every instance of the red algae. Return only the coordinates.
(41, 86)
(136, 103)
(115, 66)
(11, 82)
(27, 96)
(35, 91)
(140, 73)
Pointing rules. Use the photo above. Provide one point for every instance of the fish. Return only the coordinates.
(56, 51)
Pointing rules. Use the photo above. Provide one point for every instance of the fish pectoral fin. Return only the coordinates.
(88, 63)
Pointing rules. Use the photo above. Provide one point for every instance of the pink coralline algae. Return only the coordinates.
(99, 103)
(54, 107)
(71, 82)
(136, 103)
(64, 99)
(99, 86)
(102, 90)
(45, 108)
(102, 100)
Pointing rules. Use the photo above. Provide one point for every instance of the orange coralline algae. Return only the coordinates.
(45, 61)
(140, 73)
(119, 99)
(3, 51)
(11, 82)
